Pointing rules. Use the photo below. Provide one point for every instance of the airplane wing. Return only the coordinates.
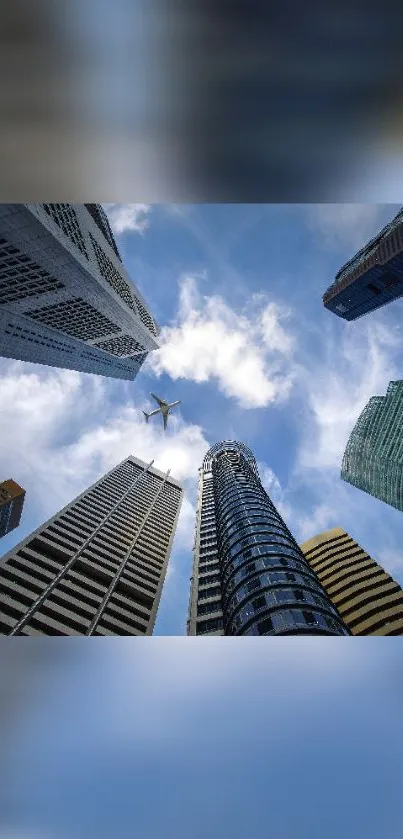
(161, 402)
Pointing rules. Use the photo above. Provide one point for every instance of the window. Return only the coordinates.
(309, 618)
(124, 345)
(374, 288)
(389, 280)
(299, 594)
(253, 585)
(212, 591)
(208, 626)
(206, 608)
(21, 277)
(320, 619)
(265, 626)
(282, 595)
(101, 220)
(290, 576)
(75, 317)
(65, 217)
(259, 603)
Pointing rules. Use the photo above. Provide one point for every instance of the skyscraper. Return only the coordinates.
(249, 575)
(373, 459)
(367, 598)
(98, 566)
(11, 504)
(372, 278)
(65, 297)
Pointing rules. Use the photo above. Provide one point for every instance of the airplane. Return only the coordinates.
(164, 409)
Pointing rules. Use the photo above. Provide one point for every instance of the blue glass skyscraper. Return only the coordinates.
(373, 459)
(372, 278)
(249, 575)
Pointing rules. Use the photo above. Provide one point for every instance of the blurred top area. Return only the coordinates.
(200, 100)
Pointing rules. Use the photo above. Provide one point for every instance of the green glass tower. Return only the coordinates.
(373, 459)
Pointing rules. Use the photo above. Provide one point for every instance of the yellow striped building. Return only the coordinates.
(369, 601)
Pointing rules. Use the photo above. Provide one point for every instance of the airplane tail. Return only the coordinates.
(146, 415)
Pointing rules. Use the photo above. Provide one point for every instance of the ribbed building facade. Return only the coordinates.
(98, 566)
(373, 459)
(66, 299)
(372, 278)
(367, 598)
(12, 497)
(249, 575)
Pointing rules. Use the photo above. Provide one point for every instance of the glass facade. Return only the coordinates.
(372, 278)
(373, 457)
(262, 584)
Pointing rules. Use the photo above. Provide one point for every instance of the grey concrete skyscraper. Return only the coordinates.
(249, 575)
(65, 298)
(98, 566)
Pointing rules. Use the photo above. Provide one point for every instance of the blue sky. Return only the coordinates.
(252, 354)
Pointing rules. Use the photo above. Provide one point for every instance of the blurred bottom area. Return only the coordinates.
(166, 738)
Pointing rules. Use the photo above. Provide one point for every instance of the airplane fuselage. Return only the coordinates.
(164, 409)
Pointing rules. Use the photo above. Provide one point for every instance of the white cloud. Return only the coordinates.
(60, 431)
(323, 517)
(273, 334)
(352, 363)
(336, 388)
(351, 225)
(186, 526)
(247, 354)
(128, 217)
(275, 491)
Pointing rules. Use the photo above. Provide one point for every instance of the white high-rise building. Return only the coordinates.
(66, 300)
(98, 566)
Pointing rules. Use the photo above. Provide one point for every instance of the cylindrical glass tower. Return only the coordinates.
(267, 586)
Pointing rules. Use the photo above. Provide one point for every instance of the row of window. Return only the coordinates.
(272, 599)
(37, 338)
(75, 317)
(210, 625)
(249, 503)
(206, 608)
(208, 554)
(66, 218)
(290, 620)
(271, 562)
(207, 567)
(211, 591)
(112, 275)
(209, 578)
(77, 596)
(250, 519)
(246, 534)
(273, 544)
(123, 345)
